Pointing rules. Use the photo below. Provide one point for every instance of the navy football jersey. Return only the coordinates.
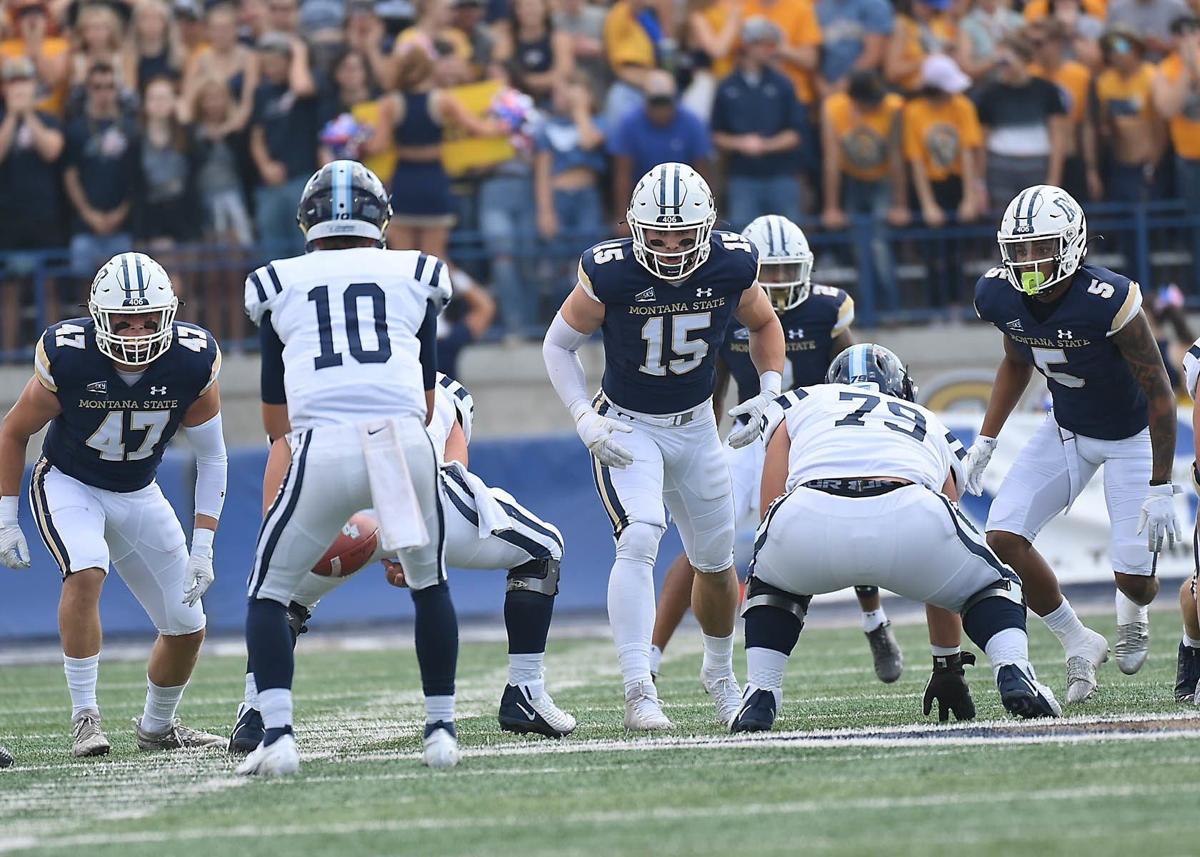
(809, 330)
(111, 434)
(1093, 391)
(661, 338)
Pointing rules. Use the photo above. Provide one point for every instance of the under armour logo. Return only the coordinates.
(158, 391)
(704, 293)
(795, 333)
(1065, 334)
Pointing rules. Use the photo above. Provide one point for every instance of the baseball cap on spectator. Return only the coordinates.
(941, 72)
(18, 68)
(659, 89)
(275, 42)
(760, 29)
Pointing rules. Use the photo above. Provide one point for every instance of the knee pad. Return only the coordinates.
(297, 616)
(638, 542)
(774, 618)
(537, 575)
(994, 609)
(760, 594)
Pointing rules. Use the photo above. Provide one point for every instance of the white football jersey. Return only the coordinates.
(452, 403)
(348, 321)
(1191, 367)
(844, 431)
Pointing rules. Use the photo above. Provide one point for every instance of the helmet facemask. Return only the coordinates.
(787, 282)
(1035, 263)
(650, 243)
(133, 350)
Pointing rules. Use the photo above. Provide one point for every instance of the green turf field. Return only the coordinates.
(362, 790)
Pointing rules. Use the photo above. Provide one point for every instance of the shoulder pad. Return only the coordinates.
(195, 340)
(1118, 298)
(57, 343)
(460, 397)
(776, 412)
(432, 272)
(599, 258)
(988, 287)
(262, 287)
(1191, 367)
(843, 307)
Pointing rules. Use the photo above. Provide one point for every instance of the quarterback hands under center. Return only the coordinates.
(14, 550)
(978, 457)
(596, 432)
(199, 575)
(1158, 516)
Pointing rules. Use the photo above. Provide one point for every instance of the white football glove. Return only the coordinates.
(596, 432)
(977, 460)
(1158, 517)
(14, 550)
(753, 409)
(199, 575)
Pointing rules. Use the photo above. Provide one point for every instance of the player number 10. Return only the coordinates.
(689, 353)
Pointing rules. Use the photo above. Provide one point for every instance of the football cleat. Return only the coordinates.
(248, 730)
(6, 757)
(280, 759)
(1187, 673)
(1082, 665)
(89, 738)
(643, 711)
(441, 746)
(757, 713)
(1023, 696)
(889, 660)
(726, 696)
(1133, 645)
(521, 713)
(175, 737)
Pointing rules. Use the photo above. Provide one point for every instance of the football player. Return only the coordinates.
(841, 458)
(1187, 672)
(115, 388)
(495, 532)
(662, 300)
(349, 342)
(816, 325)
(1083, 328)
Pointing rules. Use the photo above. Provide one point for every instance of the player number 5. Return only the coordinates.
(1044, 358)
(1104, 290)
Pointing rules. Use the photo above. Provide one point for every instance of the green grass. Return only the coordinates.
(362, 790)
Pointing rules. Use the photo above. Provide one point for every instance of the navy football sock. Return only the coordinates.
(990, 616)
(436, 639)
(270, 736)
(270, 644)
(527, 618)
(772, 628)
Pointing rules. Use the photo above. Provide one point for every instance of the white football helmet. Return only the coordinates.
(671, 198)
(1043, 225)
(785, 261)
(132, 284)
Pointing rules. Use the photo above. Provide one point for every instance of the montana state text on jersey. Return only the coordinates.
(661, 338)
(1069, 341)
(809, 330)
(111, 434)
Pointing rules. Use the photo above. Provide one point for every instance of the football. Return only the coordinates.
(352, 549)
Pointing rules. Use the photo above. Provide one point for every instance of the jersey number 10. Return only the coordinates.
(350, 298)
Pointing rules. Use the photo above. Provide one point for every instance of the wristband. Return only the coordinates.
(770, 382)
(202, 541)
(8, 510)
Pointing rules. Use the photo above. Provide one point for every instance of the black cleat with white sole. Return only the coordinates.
(248, 731)
(522, 714)
(1187, 673)
(757, 713)
(1023, 696)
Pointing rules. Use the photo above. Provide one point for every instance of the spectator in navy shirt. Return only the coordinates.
(854, 36)
(283, 139)
(30, 146)
(659, 131)
(101, 172)
(756, 121)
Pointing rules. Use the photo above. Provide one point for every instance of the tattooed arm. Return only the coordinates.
(1137, 346)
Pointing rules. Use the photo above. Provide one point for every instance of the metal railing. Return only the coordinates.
(904, 275)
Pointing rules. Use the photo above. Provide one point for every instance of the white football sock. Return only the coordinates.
(944, 651)
(765, 668)
(161, 703)
(1130, 611)
(527, 669)
(251, 696)
(718, 656)
(439, 708)
(872, 619)
(1066, 626)
(275, 704)
(1010, 646)
(82, 674)
(631, 616)
(656, 655)
(1189, 642)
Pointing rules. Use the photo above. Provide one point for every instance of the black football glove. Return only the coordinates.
(948, 685)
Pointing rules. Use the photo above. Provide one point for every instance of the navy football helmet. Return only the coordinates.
(344, 198)
(867, 363)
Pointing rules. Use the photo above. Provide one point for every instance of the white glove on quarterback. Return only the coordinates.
(978, 457)
(596, 432)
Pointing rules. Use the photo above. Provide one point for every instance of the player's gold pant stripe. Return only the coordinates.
(41, 514)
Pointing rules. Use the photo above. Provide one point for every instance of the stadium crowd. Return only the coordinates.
(512, 131)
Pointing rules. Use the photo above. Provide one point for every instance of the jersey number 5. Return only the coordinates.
(354, 339)
(1044, 358)
(689, 353)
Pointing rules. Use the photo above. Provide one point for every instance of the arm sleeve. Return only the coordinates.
(427, 334)
(560, 351)
(208, 445)
(271, 371)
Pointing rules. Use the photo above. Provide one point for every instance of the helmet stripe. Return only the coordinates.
(137, 259)
(341, 190)
(125, 276)
(770, 238)
(678, 195)
(778, 222)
